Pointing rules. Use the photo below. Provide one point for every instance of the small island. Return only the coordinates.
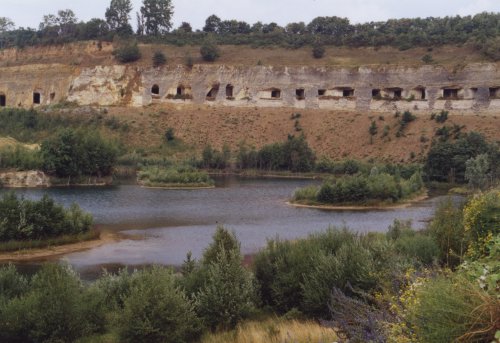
(174, 178)
(378, 190)
(38, 224)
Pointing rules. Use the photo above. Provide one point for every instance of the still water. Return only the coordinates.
(169, 223)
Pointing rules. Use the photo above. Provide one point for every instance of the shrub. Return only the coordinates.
(454, 310)
(318, 51)
(55, 309)
(209, 51)
(427, 59)
(155, 310)
(127, 52)
(169, 134)
(301, 274)
(71, 153)
(159, 59)
(38, 220)
(20, 158)
(179, 176)
(420, 247)
(447, 230)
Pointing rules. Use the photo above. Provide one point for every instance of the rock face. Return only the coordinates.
(24, 179)
(474, 88)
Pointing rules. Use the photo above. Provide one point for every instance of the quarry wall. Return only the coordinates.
(471, 89)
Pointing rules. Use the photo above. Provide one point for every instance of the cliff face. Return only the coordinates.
(474, 88)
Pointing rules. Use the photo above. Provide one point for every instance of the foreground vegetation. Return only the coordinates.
(27, 224)
(435, 285)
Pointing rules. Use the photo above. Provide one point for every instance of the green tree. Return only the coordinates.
(476, 171)
(372, 130)
(6, 24)
(157, 311)
(212, 24)
(118, 15)
(157, 16)
(318, 51)
(228, 294)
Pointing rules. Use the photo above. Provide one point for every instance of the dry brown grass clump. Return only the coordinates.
(275, 330)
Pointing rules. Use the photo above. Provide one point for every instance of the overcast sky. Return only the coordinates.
(28, 13)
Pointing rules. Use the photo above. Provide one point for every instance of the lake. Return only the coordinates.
(163, 225)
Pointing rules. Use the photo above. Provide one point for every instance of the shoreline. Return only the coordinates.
(404, 204)
(173, 188)
(55, 251)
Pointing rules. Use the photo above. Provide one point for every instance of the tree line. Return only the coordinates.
(154, 23)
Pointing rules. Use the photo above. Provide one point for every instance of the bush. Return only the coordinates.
(127, 53)
(447, 230)
(169, 134)
(209, 51)
(449, 310)
(301, 274)
(179, 176)
(39, 220)
(20, 158)
(55, 309)
(71, 153)
(420, 247)
(318, 51)
(155, 310)
(159, 59)
(427, 59)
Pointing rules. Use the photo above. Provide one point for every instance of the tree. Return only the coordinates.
(118, 15)
(157, 16)
(212, 24)
(228, 293)
(476, 171)
(185, 27)
(6, 24)
(372, 130)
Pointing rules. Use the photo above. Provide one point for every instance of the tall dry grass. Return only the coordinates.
(275, 330)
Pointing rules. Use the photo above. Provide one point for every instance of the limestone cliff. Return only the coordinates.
(473, 88)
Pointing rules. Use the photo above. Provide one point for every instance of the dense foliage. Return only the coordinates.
(447, 160)
(362, 189)
(71, 153)
(292, 155)
(23, 219)
(173, 177)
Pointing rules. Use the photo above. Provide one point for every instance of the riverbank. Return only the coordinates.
(179, 187)
(348, 207)
(56, 251)
(39, 179)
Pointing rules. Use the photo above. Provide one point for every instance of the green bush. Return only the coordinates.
(39, 220)
(301, 274)
(420, 247)
(174, 176)
(55, 309)
(209, 51)
(318, 51)
(20, 158)
(71, 153)
(447, 230)
(155, 310)
(159, 59)
(127, 52)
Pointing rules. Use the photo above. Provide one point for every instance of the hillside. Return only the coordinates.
(89, 54)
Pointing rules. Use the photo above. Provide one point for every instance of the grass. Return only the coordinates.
(180, 177)
(12, 246)
(275, 330)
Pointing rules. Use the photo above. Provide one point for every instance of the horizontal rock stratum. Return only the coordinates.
(470, 89)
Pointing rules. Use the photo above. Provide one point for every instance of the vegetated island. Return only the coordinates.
(378, 190)
(32, 228)
(174, 178)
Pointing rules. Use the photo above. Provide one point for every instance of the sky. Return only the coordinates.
(28, 13)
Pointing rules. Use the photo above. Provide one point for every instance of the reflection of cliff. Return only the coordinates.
(476, 87)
